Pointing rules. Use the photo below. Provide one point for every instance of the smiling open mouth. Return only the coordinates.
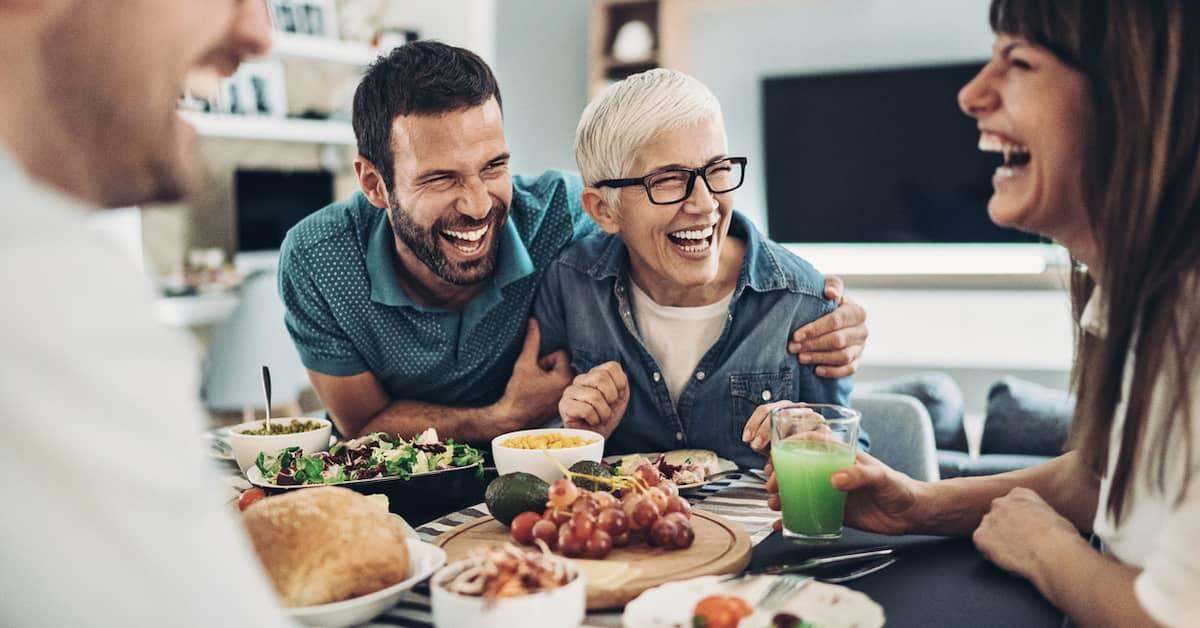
(469, 241)
(692, 240)
(1016, 156)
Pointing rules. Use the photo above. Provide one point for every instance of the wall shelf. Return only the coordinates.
(195, 311)
(290, 45)
(270, 129)
(606, 19)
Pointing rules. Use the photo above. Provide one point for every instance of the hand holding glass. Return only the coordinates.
(809, 442)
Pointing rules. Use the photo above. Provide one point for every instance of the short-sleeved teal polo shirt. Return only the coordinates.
(348, 314)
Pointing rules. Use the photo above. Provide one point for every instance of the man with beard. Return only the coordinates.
(409, 302)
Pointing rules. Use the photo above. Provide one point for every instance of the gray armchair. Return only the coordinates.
(901, 432)
(1026, 424)
(254, 335)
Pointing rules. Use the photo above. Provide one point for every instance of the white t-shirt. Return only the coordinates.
(1155, 535)
(678, 337)
(111, 514)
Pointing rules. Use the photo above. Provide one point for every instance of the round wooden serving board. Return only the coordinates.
(720, 548)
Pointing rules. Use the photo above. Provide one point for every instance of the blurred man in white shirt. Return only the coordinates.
(110, 514)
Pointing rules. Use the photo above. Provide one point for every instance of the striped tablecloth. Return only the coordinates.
(740, 499)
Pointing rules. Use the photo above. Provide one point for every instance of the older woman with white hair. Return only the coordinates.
(677, 316)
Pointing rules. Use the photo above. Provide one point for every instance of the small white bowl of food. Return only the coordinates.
(526, 451)
(335, 557)
(509, 586)
(249, 439)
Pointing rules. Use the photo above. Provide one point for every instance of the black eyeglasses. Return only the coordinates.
(673, 185)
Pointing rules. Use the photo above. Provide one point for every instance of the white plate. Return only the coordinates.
(256, 478)
(424, 559)
(218, 444)
(824, 605)
(723, 465)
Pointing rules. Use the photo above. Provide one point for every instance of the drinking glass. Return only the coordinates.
(809, 442)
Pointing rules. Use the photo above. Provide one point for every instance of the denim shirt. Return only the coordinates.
(584, 306)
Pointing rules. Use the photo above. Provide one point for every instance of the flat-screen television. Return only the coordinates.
(269, 202)
(877, 156)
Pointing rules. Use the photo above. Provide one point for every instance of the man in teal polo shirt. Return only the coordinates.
(409, 302)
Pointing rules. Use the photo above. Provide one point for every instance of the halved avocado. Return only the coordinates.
(514, 493)
(590, 467)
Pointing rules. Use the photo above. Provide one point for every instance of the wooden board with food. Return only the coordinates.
(720, 547)
(634, 531)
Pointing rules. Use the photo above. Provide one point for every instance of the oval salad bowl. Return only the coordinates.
(421, 477)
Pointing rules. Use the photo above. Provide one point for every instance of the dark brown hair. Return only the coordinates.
(422, 78)
(1142, 197)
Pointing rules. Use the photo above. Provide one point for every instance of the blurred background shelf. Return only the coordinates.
(290, 45)
(195, 311)
(271, 129)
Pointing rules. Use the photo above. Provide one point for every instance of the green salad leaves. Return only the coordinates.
(372, 456)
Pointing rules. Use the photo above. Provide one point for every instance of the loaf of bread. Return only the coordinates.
(326, 544)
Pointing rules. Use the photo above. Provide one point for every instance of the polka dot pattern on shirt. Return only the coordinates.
(453, 358)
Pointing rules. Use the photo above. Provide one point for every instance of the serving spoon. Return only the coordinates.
(266, 377)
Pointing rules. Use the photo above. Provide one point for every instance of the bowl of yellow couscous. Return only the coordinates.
(527, 450)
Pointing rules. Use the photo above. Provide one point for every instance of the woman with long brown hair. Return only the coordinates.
(1095, 106)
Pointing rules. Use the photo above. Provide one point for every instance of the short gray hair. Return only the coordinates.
(629, 113)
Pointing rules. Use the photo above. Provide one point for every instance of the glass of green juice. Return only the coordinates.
(809, 441)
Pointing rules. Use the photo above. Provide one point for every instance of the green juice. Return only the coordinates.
(811, 506)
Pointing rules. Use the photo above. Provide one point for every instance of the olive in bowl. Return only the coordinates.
(250, 439)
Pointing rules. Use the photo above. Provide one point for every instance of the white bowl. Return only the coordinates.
(511, 460)
(247, 447)
(563, 607)
(423, 560)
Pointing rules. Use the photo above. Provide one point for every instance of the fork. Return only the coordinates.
(855, 575)
(782, 589)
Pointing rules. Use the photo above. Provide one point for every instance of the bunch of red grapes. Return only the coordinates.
(588, 524)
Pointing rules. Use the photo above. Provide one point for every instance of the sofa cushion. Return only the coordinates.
(940, 395)
(1026, 418)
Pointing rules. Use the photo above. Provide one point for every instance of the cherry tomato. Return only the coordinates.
(522, 527)
(249, 496)
(721, 611)
(740, 606)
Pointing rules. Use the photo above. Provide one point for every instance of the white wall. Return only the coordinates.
(734, 46)
(541, 65)
(466, 23)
